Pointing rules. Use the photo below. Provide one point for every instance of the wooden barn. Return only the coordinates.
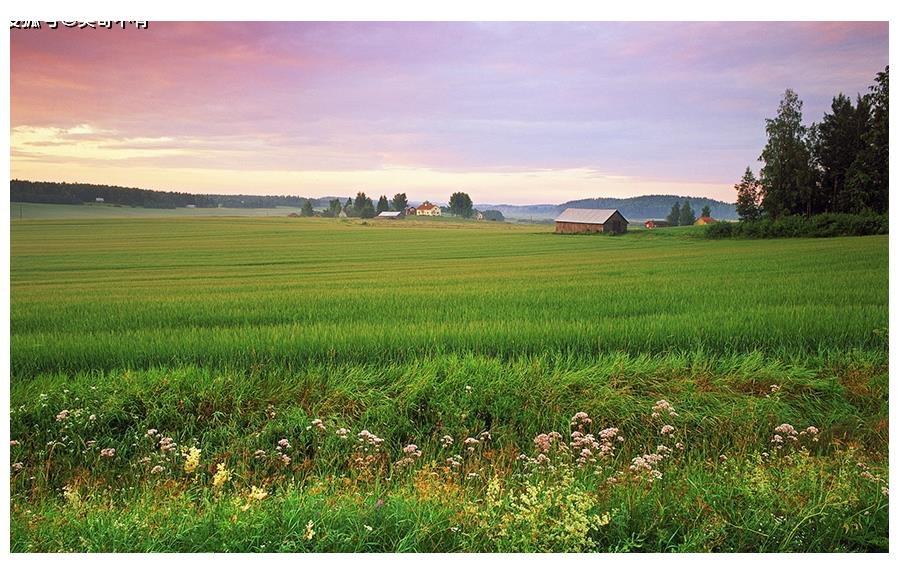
(654, 223)
(705, 220)
(390, 215)
(575, 220)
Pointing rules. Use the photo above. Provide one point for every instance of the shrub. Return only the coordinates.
(822, 225)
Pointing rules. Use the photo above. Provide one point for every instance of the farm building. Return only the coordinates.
(705, 221)
(654, 223)
(426, 208)
(100, 200)
(390, 215)
(575, 220)
(409, 211)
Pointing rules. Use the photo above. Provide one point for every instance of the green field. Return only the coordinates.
(232, 334)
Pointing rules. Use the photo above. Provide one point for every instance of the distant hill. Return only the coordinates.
(638, 208)
(78, 193)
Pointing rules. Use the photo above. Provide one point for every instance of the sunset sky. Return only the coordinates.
(508, 112)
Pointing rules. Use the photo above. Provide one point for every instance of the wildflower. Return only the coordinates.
(774, 388)
(812, 431)
(485, 435)
(157, 469)
(542, 459)
(455, 461)
(663, 406)
(192, 456)
(62, 415)
(107, 453)
(679, 446)
(885, 490)
(309, 530)
(343, 433)
(447, 441)
(152, 432)
(92, 417)
(14, 443)
(257, 493)
(318, 424)
(580, 420)
(472, 475)
(543, 442)
(660, 449)
(17, 466)
(722, 458)
(167, 444)
(283, 444)
(667, 429)
(368, 528)
(221, 476)
(470, 442)
(765, 455)
(259, 453)
(286, 460)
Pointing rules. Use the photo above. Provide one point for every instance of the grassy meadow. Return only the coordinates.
(211, 377)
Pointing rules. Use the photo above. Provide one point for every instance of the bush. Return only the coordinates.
(822, 225)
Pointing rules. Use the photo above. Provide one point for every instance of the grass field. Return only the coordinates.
(265, 345)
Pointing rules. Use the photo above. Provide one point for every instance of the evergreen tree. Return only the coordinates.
(399, 203)
(748, 197)
(348, 209)
(382, 204)
(869, 181)
(307, 210)
(839, 140)
(363, 206)
(673, 217)
(686, 214)
(787, 180)
(706, 211)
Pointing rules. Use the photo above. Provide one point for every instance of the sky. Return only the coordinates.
(517, 113)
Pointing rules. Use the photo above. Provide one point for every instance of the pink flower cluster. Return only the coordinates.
(166, 444)
(107, 453)
(282, 446)
(447, 441)
(62, 416)
(343, 433)
(411, 452)
(661, 407)
(544, 442)
(580, 421)
(644, 466)
(318, 424)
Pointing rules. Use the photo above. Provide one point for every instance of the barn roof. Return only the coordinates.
(598, 216)
(390, 214)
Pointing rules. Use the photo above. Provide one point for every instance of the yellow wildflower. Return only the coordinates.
(309, 530)
(192, 455)
(220, 477)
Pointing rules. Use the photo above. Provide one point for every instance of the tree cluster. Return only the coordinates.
(683, 215)
(839, 165)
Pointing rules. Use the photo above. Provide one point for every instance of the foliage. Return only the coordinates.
(674, 215)
(706, 211)
(333, 210)
(399, 203)
(493, 215)
(748, 197)
(460, 204)
(686, 215)
(307, 210)
(382, 205)
(822, 225)
(786, 177)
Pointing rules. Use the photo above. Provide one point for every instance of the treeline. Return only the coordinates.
(78, 193)
(839, 165)
(822, 225)
(362, 206)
